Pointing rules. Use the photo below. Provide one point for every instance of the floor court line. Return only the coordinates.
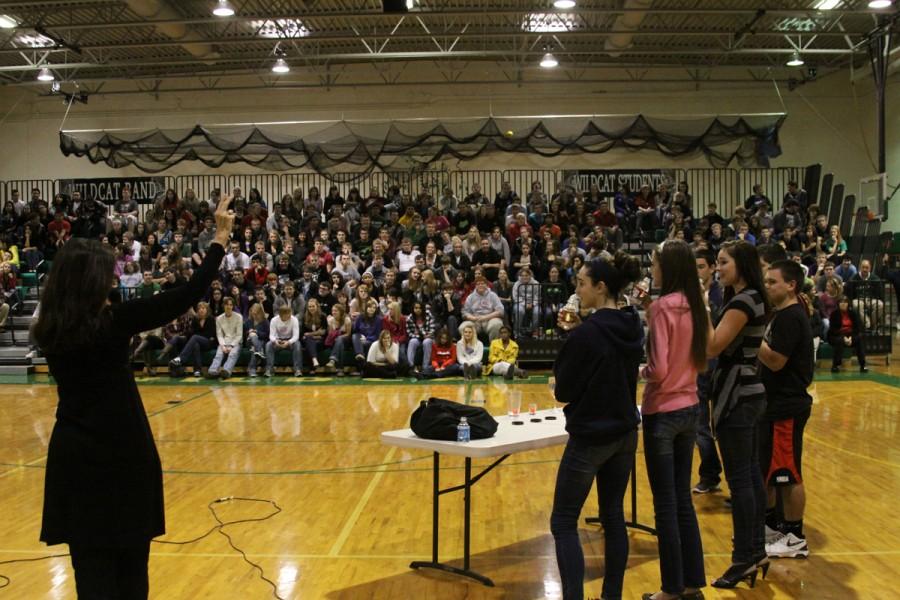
(812, 438)
(21, 466)
(357, 511)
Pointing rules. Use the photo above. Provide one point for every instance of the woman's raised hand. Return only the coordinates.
(224, 220)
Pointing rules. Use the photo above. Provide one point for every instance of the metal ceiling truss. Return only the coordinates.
(334, 43)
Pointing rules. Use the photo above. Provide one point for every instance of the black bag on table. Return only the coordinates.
(437, 419)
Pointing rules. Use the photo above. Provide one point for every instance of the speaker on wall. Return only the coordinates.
(394, 6)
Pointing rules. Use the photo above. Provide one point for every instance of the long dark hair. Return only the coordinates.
(679, 275)
(746, 259)
(73, 301)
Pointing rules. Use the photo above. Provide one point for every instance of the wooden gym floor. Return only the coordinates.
(355, 513)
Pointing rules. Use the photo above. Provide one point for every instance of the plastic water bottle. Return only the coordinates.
(463, 431)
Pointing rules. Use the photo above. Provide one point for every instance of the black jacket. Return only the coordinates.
(104, 485)
(834, 325)
(596, 376)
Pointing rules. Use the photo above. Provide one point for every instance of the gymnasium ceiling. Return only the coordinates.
(155, 46)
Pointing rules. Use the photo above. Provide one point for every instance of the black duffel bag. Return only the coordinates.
(437, 419)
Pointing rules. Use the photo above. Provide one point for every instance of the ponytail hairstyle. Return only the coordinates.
(618, 274)
(679, 275)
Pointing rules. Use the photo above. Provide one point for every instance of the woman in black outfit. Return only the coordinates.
(103, 491)
(596, 378)
(845, 331)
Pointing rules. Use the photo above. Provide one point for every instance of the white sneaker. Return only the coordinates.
(789, 546)
(772, 535)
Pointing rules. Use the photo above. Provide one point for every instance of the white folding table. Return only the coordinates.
(508, 440)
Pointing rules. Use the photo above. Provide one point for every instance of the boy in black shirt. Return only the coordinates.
(786, 370)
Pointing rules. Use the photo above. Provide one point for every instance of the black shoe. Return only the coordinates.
(737, 573)
(835, 369)
(864, 369)
(510, 373)
(763, 563)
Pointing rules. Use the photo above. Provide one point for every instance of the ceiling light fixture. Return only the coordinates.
(7, 22)
(795, 61)
(880, 3)
(223, 9)
(564, 4)
(45, 75)
(549, 61)
(281, 67)
(827, 4)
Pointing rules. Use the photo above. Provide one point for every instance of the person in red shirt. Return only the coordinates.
(256, 275)
(60, 229)
(845, 331)
(443, 358)
(320, 258)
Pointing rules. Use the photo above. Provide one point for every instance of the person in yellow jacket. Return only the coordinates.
(502, 357)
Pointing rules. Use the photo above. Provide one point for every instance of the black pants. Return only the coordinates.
(838, 346)
(111, 573)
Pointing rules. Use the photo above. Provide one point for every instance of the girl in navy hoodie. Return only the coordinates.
(596, 378)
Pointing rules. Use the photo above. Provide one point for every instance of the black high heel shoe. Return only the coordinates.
(763, 563)
(737, 573)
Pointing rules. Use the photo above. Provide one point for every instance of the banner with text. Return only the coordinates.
(144, 190)
(609, 180)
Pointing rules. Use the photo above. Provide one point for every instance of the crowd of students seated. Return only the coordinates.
(323, 277)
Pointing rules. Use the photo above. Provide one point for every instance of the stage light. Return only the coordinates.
(223, 9)
(880, 3)
(549, 61)
(7, 22)
(45, 75)
(281, 67)
(795, 61)
(564, 4)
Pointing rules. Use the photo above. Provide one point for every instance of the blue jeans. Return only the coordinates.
(296, 352)
(610, 465)
(738, 441)
(256, 345)
(669, 439)
(452, 371)
(230, 360)
(194, 349)
(360, 344)
(413, 346)
(710, 467)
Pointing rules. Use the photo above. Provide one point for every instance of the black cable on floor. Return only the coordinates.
(220, 525)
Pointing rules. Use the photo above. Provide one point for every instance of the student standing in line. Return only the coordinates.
(676, 352)
(739, 400)
(596, 374)
(710, 469)
(787, 365)
(103, 488)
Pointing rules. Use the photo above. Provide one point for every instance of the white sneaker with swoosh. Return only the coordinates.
(789, 546)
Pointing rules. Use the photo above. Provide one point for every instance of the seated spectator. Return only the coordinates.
(846, 270)
(202, 338)
(845, 331)
(470, 352)
(313, 330)
(757, 198)
(554, 293)
(797, 194)
(483, 311)
(502, 357)
(337, 338)
(256, 334)
(150, 342)
(229, 333)
(835, 246)
(8, 288)
(443, 358)
(284, 334)
(828, 299)
(526, 301)
(395, 323)
(383, 358)
(420, 331)
(824, 272)
(866, 292)
(365, 331)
